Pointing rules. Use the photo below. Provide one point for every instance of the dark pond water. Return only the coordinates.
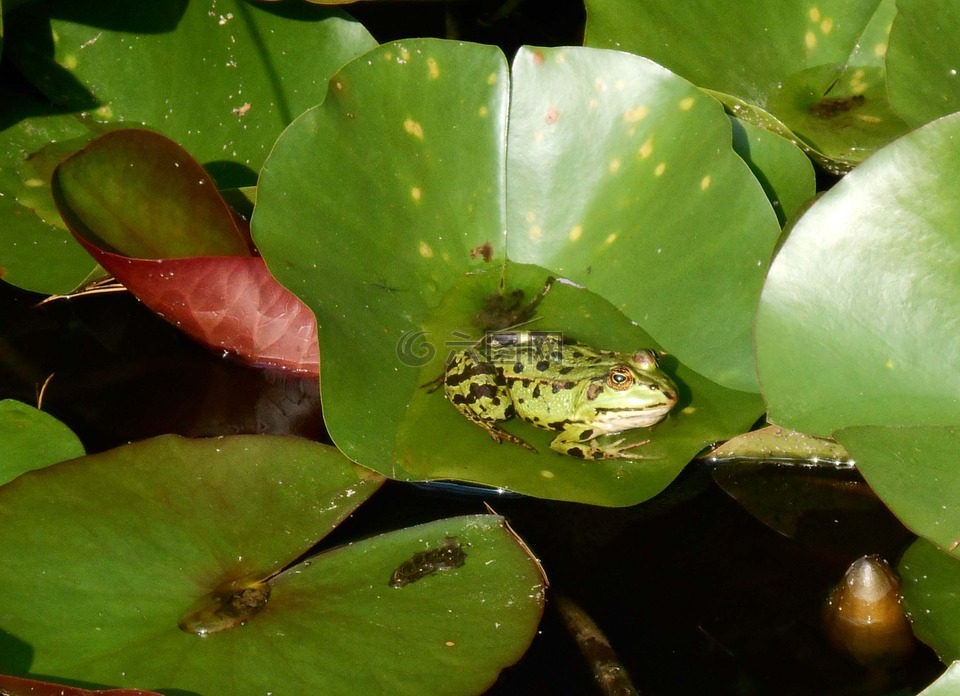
(695, 594)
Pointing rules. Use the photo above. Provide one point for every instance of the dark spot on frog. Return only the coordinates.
(830, 108)
(509, 412)
(536, 392)
(543, 365)
(556, 387)
(586, 435)
(577, 354)
(575, 452)
(594, 390)
(484, 251)
(557, 425)
(566, 370)
(518, 367)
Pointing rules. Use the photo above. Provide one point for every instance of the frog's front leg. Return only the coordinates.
(581, 443)
(478, 390)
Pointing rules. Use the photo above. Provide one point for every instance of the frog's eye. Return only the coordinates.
(620, 378)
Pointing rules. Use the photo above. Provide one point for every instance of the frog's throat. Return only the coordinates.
(616, 420)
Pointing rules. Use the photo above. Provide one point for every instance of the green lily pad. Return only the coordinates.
(947, 684)
(782, 169)
(913, 470)
(638, 199)
(31, 439)
(854, 311)
(924, 82)
(930, 578)
(157, 526)
(36, 250)
(209, 78)
(812, 66)
(386, 210)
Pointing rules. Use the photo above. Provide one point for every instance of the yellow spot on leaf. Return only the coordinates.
(560, 56)
(575, 233)
(859, 87)
(531, 217)
(388, 56)
(425, 250)
(661, 168)
(814, 14)
(686, 104)
(404, 55)
(492, 79)
(611, 238)
(538, 137)
(858, 75)
(810, 40)
(105, 111)
(636, 114)
(535, 232)
(826, 26)
(705, 182)
(416, 193)
(880, 50)
(614, 166)
(867, 118)
(646, 149)
(69, 61)
(689, 410)
(483, 111)
(889, 364)
(34, 183)
(600, 85)
(547, 474)
(433, 72)
(413, 128)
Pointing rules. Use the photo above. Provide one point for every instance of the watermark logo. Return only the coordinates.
(415, 349)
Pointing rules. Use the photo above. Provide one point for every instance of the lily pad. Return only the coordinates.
(913, 469)
(37, 252)
(209, 78)
(135, 193)
(812, 66)
(386, 210)
(31, 439)
(158, 528)
(856, 306)
(929, 592)
(947, 684)
(924, 69)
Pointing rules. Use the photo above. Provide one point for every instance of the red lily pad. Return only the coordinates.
(150, 215)
(16, 686)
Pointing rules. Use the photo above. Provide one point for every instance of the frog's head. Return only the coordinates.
(632, 394)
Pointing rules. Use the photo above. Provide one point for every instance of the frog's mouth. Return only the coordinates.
(616, 420)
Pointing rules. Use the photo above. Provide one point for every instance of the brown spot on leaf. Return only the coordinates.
(485, 251)
(538, 58)
(553, 115)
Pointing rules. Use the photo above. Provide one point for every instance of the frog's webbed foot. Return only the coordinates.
(500, 435)
(617, 450)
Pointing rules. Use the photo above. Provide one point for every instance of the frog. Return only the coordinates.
(551, 383)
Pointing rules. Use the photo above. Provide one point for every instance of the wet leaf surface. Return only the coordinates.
(156, 526)
(391, 307)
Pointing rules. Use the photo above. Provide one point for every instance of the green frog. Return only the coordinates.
(581, 392)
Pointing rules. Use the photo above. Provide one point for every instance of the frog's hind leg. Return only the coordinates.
(479, 392)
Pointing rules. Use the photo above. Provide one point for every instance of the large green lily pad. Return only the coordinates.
(31, 439)
(222, 81)
(854, 322)
(397, 208)
(154, 527)
(817, 67)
